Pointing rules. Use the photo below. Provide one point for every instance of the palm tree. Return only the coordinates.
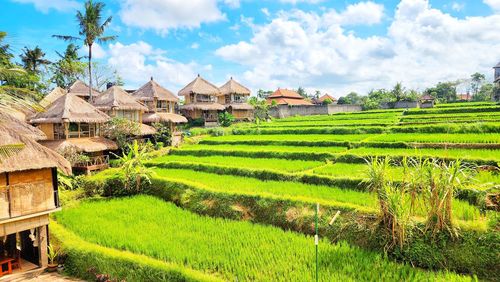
(91, 30)
(33, 59)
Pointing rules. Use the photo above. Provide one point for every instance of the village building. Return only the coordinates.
(496, 80)
(28, 194)
(234, 97)
(287, 97)
(200, 101)
(81, 89)
(426, 101)
(321, 100)
(162, 107)
(115, 102)
(53, 95)
(70, 122)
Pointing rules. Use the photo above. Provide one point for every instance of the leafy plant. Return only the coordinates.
(133, 168)
(225, 119)
(163, 134)
(53, 253)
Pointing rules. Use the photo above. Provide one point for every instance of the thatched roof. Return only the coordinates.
(116, 98)
(163, 117)
(145, 129)
(152, 90)
(427, 97)
(81, 89)
(87, 145)
(199, 86)
(240, 106)
(234, 87)
(55, 94)
(31, 156)
(21, 127)
(70, 108)
(285, 93)
(203, 107)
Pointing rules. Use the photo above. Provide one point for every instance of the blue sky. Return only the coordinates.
(333, 46)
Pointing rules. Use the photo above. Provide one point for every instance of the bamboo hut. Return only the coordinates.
(287, 97)
(234, 97)
(21, 127)
(200, 101)
(116, 102)
(81, 89)
(28, 194)
(70, 122)
(162, 106)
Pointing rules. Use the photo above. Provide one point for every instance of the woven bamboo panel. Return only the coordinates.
(4, 203)
(31, 198)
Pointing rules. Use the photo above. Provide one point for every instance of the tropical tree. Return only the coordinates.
(134, 169)
(477, 80)
(33, 58)
(92, 27)
(68, 68)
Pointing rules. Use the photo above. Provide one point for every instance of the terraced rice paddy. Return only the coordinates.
(228, 250)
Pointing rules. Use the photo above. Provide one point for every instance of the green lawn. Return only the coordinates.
(234, 251)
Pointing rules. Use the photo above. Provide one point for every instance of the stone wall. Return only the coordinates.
(399, 105)
(283, 111)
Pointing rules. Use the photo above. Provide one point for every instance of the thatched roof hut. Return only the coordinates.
(70, 108)
(152, 90)
(55, 94)
(31, 156)
(81, 89)
(234, 87)
(199, 86)
(115, 98)
(21, 127)
(87, 145)
(163, 117)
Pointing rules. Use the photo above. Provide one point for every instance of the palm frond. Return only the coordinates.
(66, 37)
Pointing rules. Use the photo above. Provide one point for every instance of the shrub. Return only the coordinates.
(225, 119)
(162, 135)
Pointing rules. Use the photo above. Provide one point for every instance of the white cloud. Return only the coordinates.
(46, 5)
(232, 3)
(265, 11)
(97, 51)
(362, 13)
(137, 62)
(195, 46)
(494, 4)
(300, 1)
(456, 6)
(422, 46)
(162, 15)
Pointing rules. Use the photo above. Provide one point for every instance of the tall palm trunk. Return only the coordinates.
(90, 73)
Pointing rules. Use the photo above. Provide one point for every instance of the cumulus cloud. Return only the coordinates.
(422, 46)
(362, 13)
(162, 15)
(137, 62)
(97, 51)
(46, 5)
(494, 4)
(300, 1)
(232, 3)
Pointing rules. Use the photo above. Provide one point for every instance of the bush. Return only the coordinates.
(225, 119)
(163, 134)
(196, 122)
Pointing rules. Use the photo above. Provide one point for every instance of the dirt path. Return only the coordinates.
(45, 277)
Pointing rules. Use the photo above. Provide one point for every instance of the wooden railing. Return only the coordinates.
(94, 161)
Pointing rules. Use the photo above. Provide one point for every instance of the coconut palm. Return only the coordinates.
(92, 29)
(33, 58)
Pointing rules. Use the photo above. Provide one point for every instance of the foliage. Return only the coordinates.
(236, 243)
(485, 93)
(261, 108)
(73, 156)
(445, 92)
(477, 80)
(163, 134)
(134, 170)
(352, 98)
(225, 119)
(92, 27)
(68, 68)
(52, 254)
(121, 130)
(302, 92)
(327, 101)
(33, 58)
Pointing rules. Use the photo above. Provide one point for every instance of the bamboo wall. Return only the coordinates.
(30, 192)
(48, 129)
(242, 114)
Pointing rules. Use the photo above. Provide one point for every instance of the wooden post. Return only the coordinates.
(66, 129)
(42, 246)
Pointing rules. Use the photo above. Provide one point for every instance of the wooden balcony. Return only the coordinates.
(93, 164)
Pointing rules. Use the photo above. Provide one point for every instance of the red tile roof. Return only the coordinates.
(285, 93)
(326, 96)
(288, 101)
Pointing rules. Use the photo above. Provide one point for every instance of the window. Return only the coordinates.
(59, 132)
